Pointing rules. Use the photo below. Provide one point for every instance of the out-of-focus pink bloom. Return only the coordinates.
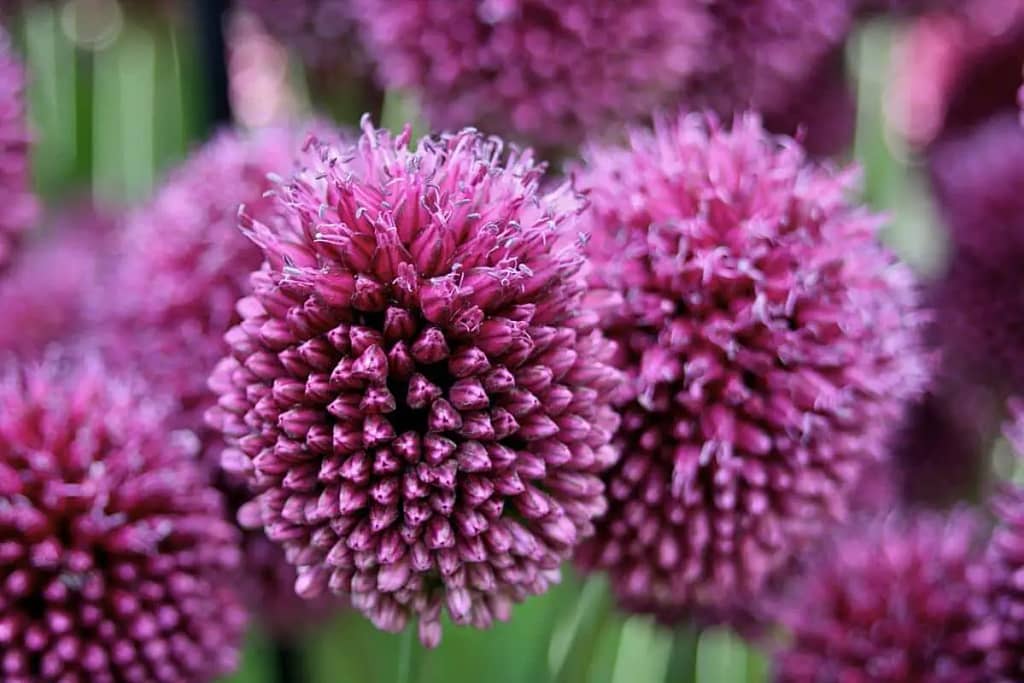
(115, 557)
(940, 456)
(783, 58)
(772, 345)
(43, 295)
(546, 71)
(957, 67)
(20, 208)
(896, 601)
(322, 31)
(182, 266)
(414, 389)
(979, 302)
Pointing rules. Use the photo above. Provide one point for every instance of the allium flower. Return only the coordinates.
(20, 206)
(776, 56)
(958, 67)
(183, 265)
(414, 389)
(977, 178)
(322, 31)
(941, 452)
(43, 295)
(114, 553)
(772, 344)
(548, 71)
(894, 602)
(1006, 563)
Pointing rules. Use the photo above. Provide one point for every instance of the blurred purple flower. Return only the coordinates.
(894, 602)
(413, 388)
(979, 302)
(772, 345)
(20, 208)
(43, 295)
(783, 58)
(115, 557)
(957, 68)
(322, 31)
(940, 455)
(1006, 562)
(547, 71)
(182, 267)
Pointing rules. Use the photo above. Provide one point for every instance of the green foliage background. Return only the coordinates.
(110, 121)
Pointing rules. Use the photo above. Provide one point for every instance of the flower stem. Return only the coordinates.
(211, 16)
(288, 663)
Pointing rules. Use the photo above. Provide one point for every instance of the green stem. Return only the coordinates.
(406, 653)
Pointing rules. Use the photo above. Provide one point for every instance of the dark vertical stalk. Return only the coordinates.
(211, 16)
(84, 114)
(288, 663)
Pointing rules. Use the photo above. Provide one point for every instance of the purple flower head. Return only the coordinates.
(114, 552)
(43, 294)
(784, 59)
(1006, 561)
(977, 178)
(322, 31)
(183, 265)
(958, 67)
(414, 389)
(894, 602)
(20, 206)
(548, 71)
(941, 452)
(772, 344)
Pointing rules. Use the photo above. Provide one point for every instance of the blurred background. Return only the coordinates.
(118, 95)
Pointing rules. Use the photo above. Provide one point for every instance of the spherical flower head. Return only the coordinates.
(893, 602)
(940, 454)
(979, 303)
(20, 205)
(322, 31)
(266, 582)
(1006, 562)
(43, 294)
(183, 264)
(414, 389)
(547, 71)
(775, 56)
(771, 343)
(955, 68)
(114, 552)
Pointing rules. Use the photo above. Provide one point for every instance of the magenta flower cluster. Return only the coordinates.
(413, 390)
(547, 71)
(115, 557)
(181, 265)
(771, 345)
(412, 379)
(894, 602)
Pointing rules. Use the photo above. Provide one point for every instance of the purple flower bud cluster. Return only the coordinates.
(771, 343)
(45, 293)
(892, 602)
(20, 208)
(322, 31)
(115, 558)
(782, 58)
(548, 71)
(182, 265)
(414, 389)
